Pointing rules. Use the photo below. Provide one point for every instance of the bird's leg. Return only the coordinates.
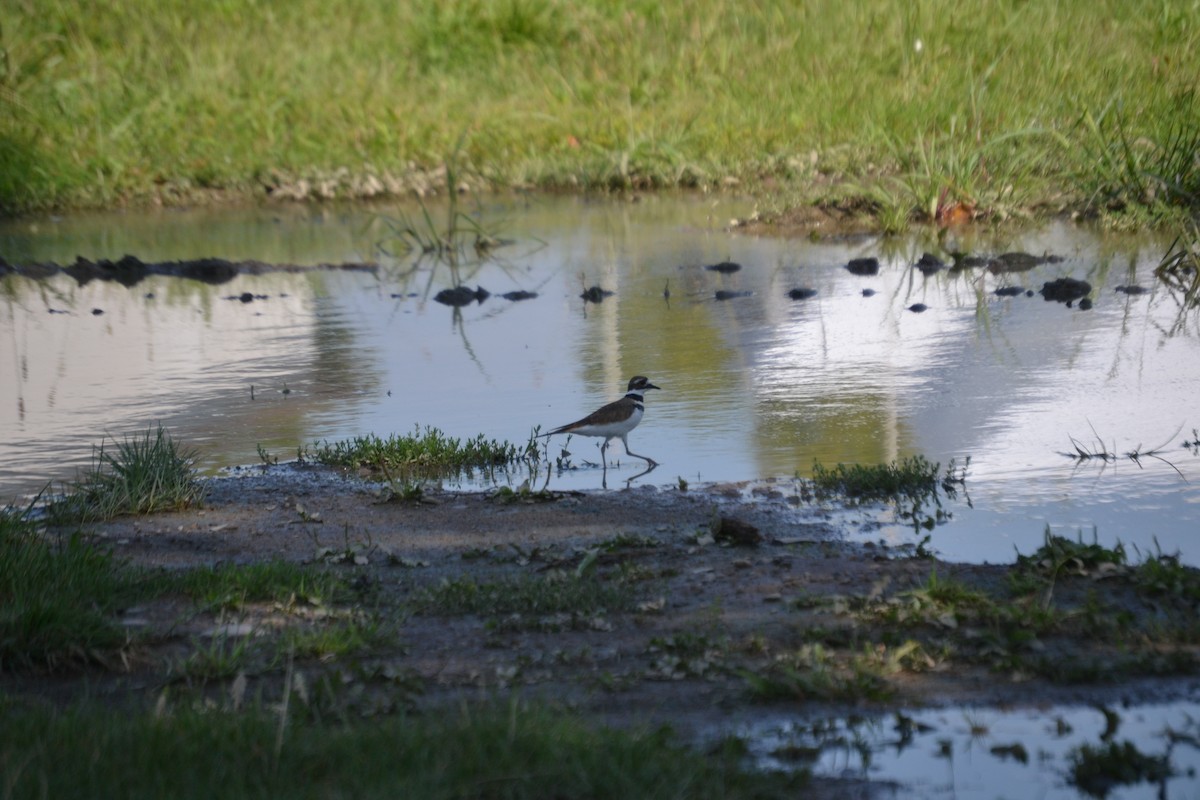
(603, 449)
(629, 452)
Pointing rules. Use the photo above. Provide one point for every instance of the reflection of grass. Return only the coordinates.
(1179, 268)
(1098, 770)
(138, 475)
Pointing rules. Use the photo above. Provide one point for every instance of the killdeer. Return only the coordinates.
(614, 420)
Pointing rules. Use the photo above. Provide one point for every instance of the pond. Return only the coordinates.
(755, 387)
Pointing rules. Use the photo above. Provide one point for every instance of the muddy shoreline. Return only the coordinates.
(752, 602)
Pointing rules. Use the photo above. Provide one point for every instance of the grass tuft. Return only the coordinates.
(914, 476)
(551, 594)
(137, 475)
(430, 451)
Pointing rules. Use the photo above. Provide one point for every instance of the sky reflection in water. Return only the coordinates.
(753, 387)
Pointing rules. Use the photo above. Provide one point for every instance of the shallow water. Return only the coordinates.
(754, 387)
(988, 753)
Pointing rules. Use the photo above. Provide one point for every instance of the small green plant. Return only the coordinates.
(912, 476)
(422, 453)
(221, 658)
(231, 586)
(912, 484)
(815, 673)
(554, 593)
(138, 475)
(506, 495)
(353, 634)
(266, 457)
(1059, 557)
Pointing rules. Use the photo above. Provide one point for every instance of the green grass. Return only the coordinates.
(543, 595)
(1004, 106)
(509, 752)
(58, 598)
(913, 476)
(230, 586)
(140, 474)
(423, 453)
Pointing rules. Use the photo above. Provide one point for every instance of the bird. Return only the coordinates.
(615, 420)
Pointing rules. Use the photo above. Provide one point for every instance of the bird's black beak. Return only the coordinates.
(652, 386)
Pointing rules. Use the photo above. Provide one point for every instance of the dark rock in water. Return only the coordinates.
(461, 296)
(737, 533)
(97, 312)
(594, 294)
(929, 264)
(1014, 262)
(863, 266)
(1133, 289)
(1029, 293)
(802, 293)
(917, 308)
(725, 267)
(868, 292)
(1009, 291)
(1065, 290)
(964, 261)
(1020, 262)
(245, 297)
(722, 294)
(519, 295)
(1085, 304)
(205, 270)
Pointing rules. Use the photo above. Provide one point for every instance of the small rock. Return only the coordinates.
(1065, 290)
(802, 293)
(737, 533)
(929, 264)
(722, 294)
(863, 266)
(461, 296)
(1009, 291)
(868, 292)
(594, 294)
(725, 267)
(917, 308)
(964, 261)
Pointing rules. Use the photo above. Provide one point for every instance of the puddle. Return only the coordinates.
(755, 386)
(989, 754)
